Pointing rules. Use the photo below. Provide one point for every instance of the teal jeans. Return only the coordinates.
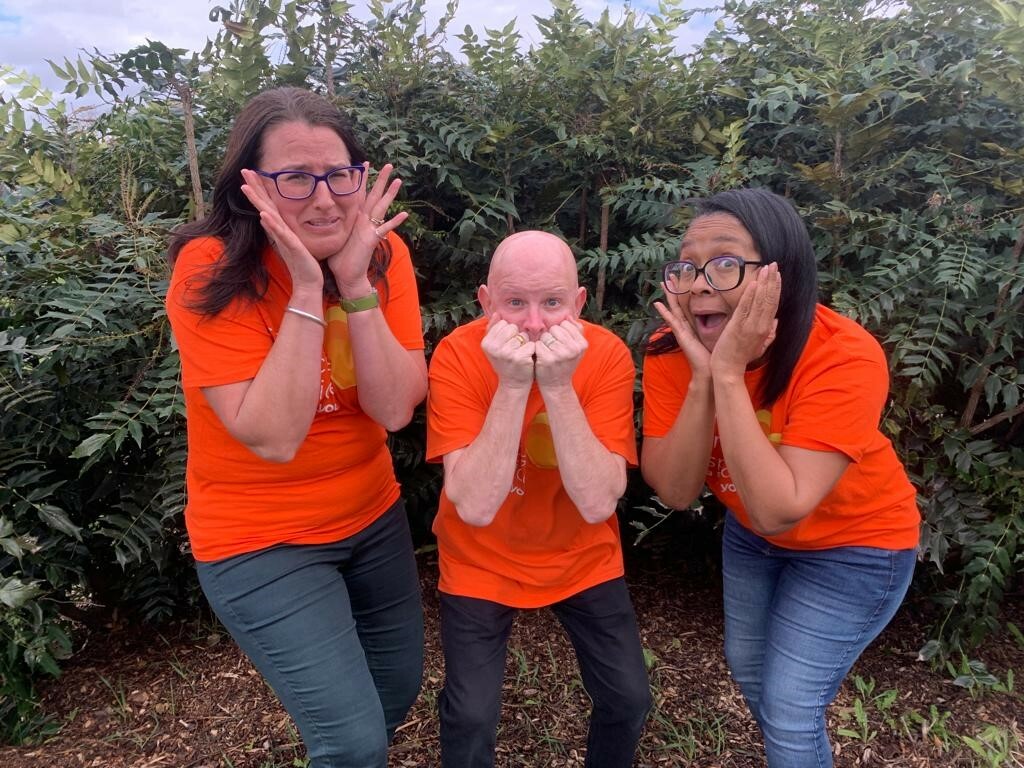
(336, 630)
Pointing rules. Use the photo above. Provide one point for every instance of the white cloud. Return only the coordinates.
(47, 29)
(32, 31)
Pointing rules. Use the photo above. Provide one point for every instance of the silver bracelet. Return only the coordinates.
(307, 315)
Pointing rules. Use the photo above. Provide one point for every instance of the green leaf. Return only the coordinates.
(57, 70)
(57, 518)
(12, 547)
(90, 445)
(733, 91)
(14, 593)
(135, 428)
(929, 650)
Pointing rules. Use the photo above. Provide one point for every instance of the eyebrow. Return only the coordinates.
(717, 240)
(308, 168)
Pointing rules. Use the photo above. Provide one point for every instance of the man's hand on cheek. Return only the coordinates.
(510, 352)
(559, 350)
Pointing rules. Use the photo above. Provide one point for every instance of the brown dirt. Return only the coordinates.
(186, 697)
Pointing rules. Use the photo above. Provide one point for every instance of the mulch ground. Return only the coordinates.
(184, 696)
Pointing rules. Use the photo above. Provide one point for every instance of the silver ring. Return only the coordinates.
(550, 341)
(379, 234)
(375, 222)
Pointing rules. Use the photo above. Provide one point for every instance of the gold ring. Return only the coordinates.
(375, 222)
(520, 338)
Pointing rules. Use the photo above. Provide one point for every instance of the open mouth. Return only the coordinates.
(711, 321)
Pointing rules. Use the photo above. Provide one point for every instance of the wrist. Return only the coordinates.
(305, 278)
(701, 391)
(728, 379)
(356, 289)
(700, 383)
(556, 393)
(514, 388)
(307, 297)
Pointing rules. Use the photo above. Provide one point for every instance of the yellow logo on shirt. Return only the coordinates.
(540, 447)
(765, 418)
(339, 349)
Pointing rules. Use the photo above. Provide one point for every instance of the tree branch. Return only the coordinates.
(1000, 417)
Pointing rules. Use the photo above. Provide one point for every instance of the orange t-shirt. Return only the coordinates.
(538, 550)
(341, 479)
(833, 402)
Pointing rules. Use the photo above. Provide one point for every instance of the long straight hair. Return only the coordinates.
(780, 236)
(240, 272)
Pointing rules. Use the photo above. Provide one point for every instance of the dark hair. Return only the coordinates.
(233, 219)
(780, 236)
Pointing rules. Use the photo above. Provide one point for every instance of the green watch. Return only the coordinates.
(369, 301)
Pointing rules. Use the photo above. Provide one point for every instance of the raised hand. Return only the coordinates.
(509, 352)
(678, 318)
(558, 352)
(751, 329)
(303, 267)
(369, 227)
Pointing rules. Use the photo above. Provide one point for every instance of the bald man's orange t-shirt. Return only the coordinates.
(341, 479)
(538, 550)
(833, 402)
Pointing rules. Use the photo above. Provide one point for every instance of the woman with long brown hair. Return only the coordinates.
(295, 310)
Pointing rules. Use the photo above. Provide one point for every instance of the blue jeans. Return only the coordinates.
(336, 630)
(795, 621)
(602, 628)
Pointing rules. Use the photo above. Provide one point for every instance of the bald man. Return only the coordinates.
(531, 411)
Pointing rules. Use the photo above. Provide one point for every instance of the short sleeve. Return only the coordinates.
(457, 402)
(837, 403)
(666, 378)
(221, 349)
(607, 399)
(402, 305)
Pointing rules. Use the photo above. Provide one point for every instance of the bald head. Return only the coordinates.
(531, 249)
(532, 283)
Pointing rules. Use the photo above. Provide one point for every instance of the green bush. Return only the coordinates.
(896, 129)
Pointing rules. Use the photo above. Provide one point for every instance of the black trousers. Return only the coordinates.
(602, 627)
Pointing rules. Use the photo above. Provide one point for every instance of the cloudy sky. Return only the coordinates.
(32, 31)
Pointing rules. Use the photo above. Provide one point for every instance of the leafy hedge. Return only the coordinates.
(897, 129)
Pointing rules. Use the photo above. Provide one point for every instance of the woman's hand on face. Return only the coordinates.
(680, 321)
(751, 329)
(351, 263)
(304, 269)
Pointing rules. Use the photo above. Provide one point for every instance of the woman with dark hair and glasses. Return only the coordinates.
(295, 310)
(773, 402)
